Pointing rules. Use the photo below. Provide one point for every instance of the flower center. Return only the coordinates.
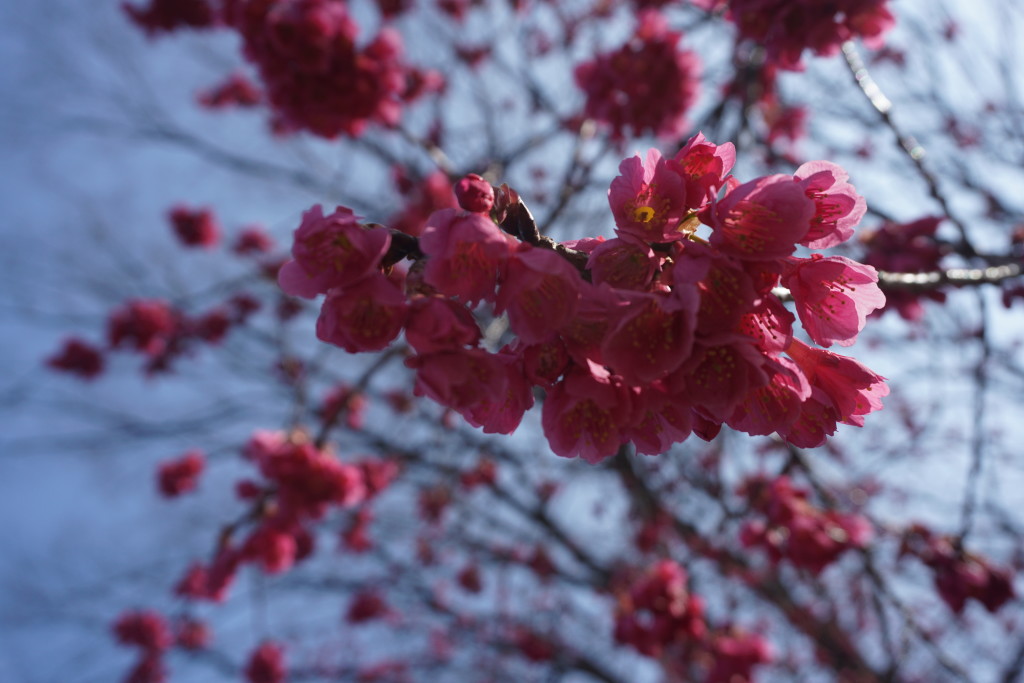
(643, 214)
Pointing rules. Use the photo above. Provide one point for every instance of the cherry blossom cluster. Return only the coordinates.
(645, 86)
(157, 329)
(785, 28)
(315, 73)
(645, 337)
(659, 617)
(959, 575)
(300, 482)
(795, 530)
(149, 632)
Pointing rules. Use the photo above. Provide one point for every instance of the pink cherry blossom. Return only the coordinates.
(541, 293)
(474, 194)
(719, 374)
(726, 289)
(623, 262)
(833, 296)
(194, 227)
(838, 207)
(585, 413)
(331, 251)
(179, 476)
(704, 167)
(437, 323)
(481, 386)
(660, 419)
(816, 421)
(852, 389)
(769, 324)
(763, 219)
(366, 316)
(543, 363)
(466, 253)
(266, 664)
(78, 358)
(653, 336)
(775, 405)
(648, 199)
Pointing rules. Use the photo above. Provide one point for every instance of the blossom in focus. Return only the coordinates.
(331, 251)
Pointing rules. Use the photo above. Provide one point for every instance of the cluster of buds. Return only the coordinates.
(300, 484)
(647, 337)
(148, 631)
(795, 530)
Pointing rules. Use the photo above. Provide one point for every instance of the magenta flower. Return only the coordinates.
(315, 75)
(770, 325)
(486, 389)
(146, 324)
(704, 168)
(366, 316)
(838, 207)
(719, 374)
(585, 414)
(852, 389)
(762, 220)
(466, 252)
(437, 323)
(541, 293)
(653, 336)
(660, 419)
(331, 251)
(623, 262)
(543, 363)
(648, 199)
(833, 296)
(816, 421)
(726, 289)
(775, 405)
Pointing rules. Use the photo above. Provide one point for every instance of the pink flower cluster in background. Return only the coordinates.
(646, 86)
(660, 618)
(316, 75)
(795, 530)
(785, 28)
